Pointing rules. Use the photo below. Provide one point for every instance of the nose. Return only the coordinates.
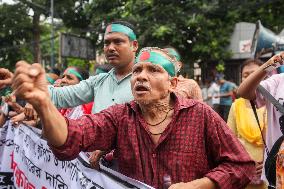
(111, 47)
(142, 76)
(63, 80)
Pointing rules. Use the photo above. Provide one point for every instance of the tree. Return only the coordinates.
(200, 30)
(15, 31)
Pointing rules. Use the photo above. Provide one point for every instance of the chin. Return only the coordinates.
(113, 62)
(143, 101)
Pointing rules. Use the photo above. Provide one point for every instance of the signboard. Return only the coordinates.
(76, 47)
(245, 46)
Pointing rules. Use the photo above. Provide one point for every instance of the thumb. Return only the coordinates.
(36, 70)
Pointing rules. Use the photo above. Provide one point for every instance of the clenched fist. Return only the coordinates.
(29, 83)
(274, 62)
(5, 77)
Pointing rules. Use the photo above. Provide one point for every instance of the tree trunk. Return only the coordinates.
(36, 37)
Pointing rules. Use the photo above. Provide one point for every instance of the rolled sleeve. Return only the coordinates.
(88, 133)
(74, 95)
(231, 165)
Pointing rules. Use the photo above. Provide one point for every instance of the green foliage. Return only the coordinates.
(15, 30)
(200, 30)
(75, 62)
(220, 67)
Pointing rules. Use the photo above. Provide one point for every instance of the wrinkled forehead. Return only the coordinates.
(156, 57)
(147, 65)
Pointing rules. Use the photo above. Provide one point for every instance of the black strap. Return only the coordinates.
(257, 120)
(270, 163)
(271, 99)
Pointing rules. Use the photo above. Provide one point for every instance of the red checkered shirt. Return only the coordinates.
(197, 143)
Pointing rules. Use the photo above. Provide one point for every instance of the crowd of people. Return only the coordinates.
(148, 120)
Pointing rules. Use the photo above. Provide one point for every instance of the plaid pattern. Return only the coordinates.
(196, 143)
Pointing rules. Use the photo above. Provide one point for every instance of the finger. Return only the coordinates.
(33, 70)
(5, 77)
(12, 114)
(36, 70)
(22, 67)
(24, 90)
(16, 107)
(20, 79)
(30, 114)
(18, 118)
(30, 123)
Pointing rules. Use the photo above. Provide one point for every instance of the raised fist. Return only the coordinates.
(5, 77)
(274, 62)
(29, 83)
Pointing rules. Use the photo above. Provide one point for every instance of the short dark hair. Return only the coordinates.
(125, 23)
(251, 61)
(55, 71)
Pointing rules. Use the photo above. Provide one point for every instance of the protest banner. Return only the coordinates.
(34, 165)
(6, 150)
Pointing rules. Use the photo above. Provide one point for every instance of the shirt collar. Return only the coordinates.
(112, 74)
(179, 103)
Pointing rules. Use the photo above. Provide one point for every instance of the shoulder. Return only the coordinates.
(193, 105)
(97, 77)
(273, 81)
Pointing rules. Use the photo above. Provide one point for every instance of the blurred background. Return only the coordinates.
(212, 36)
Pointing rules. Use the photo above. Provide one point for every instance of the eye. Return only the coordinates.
(118, 42)
(154, 69)
(106, 43)
(135, 71)
(69, 77)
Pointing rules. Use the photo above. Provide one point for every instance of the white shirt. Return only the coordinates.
(214, 90)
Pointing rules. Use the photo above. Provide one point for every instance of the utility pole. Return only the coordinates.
(52, 62)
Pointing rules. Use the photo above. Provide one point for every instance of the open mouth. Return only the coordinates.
(141, 89)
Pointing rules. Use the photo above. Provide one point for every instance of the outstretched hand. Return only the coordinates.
(29, 83)
(5, 77)
(274, 62)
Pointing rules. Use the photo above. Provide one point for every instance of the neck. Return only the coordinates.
(121, 72)
(156, 110)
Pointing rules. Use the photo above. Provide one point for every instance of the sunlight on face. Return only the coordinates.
(249, 69)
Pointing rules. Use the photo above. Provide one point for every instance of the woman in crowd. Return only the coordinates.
(275, 86)
(243, 123)
(72, 76)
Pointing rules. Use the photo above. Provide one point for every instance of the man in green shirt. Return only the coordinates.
(120, 46)
(106, 89)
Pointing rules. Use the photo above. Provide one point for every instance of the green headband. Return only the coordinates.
(50, 80)
(156, 58)
(173, 52)
(122, 29)
(74, 72)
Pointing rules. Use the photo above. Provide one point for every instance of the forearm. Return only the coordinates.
(248, 87)
(72, 96)
(54, 124)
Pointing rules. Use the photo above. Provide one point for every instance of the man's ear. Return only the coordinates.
(134, 46)
(173, 86)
